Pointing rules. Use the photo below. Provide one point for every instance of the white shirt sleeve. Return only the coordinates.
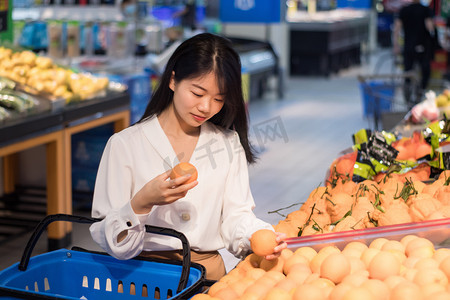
(238, 219)
(112, 195)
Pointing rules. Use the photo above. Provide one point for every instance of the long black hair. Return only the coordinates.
(197, 56)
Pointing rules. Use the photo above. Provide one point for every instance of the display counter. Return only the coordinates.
(54, 129)
(326, 42)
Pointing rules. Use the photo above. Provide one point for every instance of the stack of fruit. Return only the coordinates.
(386, 269)
(45, 77)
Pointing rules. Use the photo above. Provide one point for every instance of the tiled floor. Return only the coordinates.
(298, 137)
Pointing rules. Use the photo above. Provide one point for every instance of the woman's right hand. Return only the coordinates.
(161, 190)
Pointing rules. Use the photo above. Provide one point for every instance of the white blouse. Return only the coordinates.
(216, 213)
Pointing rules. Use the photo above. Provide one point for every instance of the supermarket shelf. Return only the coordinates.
(73, 118)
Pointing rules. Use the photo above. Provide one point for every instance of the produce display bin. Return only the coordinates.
(82, 274)
(437, 231)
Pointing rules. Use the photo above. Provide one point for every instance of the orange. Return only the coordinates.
(411, 261)
(201, 297)
(323, 283)
(409, 273)
(441, 254)
(286, 284)
(356, 279)
(263, 242)
(440, 296)
(182, 169)
(426, 262)
(320, 257)
(408, 238)
(272, 265)
(311, 278)
(241, 285)
(393, 281)
(430, 275)
(257, 289)
(254, 259)
(393, 245)
(445, 266)
(354, 247)
(356, 264)
(335, 267)
(308, 291)
(422, 252)
(378, 288)
(216, 287)
(293, 260)
(250, 296)
(307, 252)
(277, 276)
(298, 273)
(368, 255)
(378, 243)
(417, 243)
(431, 288)
(383, 265)
(406, 291)
(255, 273)
(226, 294)
(339, 291)
(358, 293)
(277, 294)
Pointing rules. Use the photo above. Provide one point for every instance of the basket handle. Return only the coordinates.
(186, 251)
(40, 229)
(88, 220)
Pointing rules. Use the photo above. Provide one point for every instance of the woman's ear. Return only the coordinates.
(172, 82)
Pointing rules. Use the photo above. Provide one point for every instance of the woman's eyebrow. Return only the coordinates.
(198, 86)
(202, 88)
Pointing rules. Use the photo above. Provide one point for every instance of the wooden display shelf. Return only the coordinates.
(75, 118)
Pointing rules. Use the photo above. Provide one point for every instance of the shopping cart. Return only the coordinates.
(81, 274)
(388, 96)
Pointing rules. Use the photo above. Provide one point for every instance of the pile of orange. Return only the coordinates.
(410, 268)
(348, 205)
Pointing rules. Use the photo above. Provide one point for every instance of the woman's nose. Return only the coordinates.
(204, 105)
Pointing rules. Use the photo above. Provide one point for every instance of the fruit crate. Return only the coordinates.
(82, 274)
(437, 231)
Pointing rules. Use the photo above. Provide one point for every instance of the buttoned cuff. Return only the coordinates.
(130, 220)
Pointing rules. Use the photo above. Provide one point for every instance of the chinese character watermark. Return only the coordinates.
(269, 131)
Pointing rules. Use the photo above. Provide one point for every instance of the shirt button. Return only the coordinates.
(185, 216)
(129, 224)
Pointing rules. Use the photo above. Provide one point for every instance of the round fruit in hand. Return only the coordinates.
(182, 169)
(263, 242)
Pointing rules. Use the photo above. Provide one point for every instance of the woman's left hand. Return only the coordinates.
(281, 246)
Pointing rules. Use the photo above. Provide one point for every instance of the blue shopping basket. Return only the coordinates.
(377, 97)
(81, 274)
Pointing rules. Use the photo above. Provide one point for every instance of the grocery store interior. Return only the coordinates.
(314, 75)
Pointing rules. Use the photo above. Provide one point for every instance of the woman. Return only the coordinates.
(196, 115)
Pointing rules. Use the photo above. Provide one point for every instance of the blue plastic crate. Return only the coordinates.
(376, 94)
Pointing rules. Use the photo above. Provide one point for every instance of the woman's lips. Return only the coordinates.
(199, 118)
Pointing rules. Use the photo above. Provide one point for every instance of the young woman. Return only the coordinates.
(196, 115)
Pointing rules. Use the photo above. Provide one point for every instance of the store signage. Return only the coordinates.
(3, 15)
(250, 11)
